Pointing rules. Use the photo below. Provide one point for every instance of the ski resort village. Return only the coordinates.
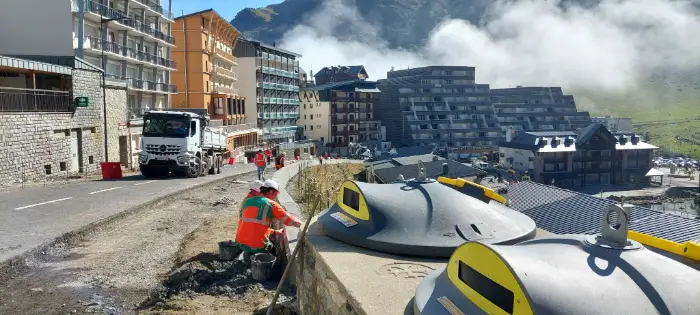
(167, 157)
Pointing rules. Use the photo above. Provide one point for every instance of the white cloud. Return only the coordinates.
(608, 48)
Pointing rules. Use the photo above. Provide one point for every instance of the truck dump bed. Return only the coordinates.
(215, 138)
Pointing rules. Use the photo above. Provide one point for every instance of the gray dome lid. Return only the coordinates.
(424, 219)
(564, 275)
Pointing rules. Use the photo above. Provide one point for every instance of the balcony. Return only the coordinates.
(31, 100)
(155, 7)
(124, 22)
(95, 45)
(224, 72)
(227, 56)
(218, 89)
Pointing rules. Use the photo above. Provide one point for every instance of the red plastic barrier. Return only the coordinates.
(111, 170)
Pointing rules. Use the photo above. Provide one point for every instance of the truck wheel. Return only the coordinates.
(195, 168)
(212, 165)
(146, 172)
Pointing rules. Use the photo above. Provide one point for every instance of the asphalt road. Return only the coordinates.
(33, 216)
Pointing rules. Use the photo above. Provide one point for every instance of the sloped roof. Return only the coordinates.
(410, 160)
(432, 170)
(338, 84)
(407, 151)
(351, 69)
(562, 211)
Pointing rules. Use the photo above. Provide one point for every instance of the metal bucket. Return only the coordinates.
(228, 250)
(261, 266)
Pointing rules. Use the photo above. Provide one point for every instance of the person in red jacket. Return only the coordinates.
(260, 163)
(268, 154)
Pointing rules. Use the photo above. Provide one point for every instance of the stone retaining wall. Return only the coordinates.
(318, 290)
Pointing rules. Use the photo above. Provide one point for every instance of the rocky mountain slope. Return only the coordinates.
(407, 24)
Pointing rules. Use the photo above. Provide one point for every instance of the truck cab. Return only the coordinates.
(174, 141)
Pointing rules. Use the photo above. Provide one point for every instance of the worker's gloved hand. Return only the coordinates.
(278, 232)
(296, 223)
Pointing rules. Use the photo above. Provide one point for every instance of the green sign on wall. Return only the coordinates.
(82, 101)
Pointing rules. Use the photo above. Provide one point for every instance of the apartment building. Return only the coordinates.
(439, 106)
(131, 41)
(270, 76)
(314, 117)
(344, 112)
(340, 74)
(207, 72)
(537, 109)
(571, 159)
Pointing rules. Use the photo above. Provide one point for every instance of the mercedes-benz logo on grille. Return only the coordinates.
(163, 148)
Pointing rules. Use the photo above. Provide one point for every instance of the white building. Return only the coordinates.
(135, 36)
(614, 124)
(136, 45)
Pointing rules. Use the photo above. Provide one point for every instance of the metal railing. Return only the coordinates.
(224, 72)
(109, 13)
(114, 48)
(226, 55)
(33, 100)
(156, 7)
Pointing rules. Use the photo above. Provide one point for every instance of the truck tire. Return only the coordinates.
(195, 168)
(212, 165)
(146, 171)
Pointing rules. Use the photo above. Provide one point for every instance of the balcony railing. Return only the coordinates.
(30, 100)
(224, 54)
(156, 7)
(109, 13)
(114, 48)
(224, 90)
(224, 72)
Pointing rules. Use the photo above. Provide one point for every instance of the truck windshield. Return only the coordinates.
(167, 127)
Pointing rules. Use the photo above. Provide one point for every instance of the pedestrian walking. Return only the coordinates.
(260, 163)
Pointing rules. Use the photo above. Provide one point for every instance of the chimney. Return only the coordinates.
(274, 44)
(445, 169)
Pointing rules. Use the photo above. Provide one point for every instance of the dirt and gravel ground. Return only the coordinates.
(159, 260)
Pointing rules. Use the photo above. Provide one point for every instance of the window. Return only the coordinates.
(312, 127)
(351, 199)
(489, 289)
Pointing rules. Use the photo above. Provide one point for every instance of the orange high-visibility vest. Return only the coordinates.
(255, 220)
(260, 160)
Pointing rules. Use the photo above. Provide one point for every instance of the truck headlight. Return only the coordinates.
(143, 158)
(183, 159)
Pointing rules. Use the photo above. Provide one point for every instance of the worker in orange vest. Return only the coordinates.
(260, 163)
(280, 160)
(255, 234)
(254, 191)
(268, 154)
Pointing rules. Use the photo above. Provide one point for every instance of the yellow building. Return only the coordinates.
(314, 117)
(206, 74)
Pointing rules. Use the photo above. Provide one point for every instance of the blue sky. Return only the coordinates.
(227, 8)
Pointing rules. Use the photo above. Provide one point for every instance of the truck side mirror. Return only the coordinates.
(193, 128)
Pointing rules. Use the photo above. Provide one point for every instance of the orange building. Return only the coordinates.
(206, 74)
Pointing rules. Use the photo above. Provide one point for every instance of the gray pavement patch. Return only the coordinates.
(21, 263)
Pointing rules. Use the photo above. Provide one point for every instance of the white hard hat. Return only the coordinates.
(255, 185)
(271, 184)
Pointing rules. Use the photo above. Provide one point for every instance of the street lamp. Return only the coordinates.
(104, 80)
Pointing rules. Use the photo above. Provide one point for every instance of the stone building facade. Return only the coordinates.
(37, 146)
(117, 118)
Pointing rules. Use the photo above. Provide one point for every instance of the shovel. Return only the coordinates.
(300, 243)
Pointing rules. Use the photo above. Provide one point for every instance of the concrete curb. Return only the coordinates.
(20, 263)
